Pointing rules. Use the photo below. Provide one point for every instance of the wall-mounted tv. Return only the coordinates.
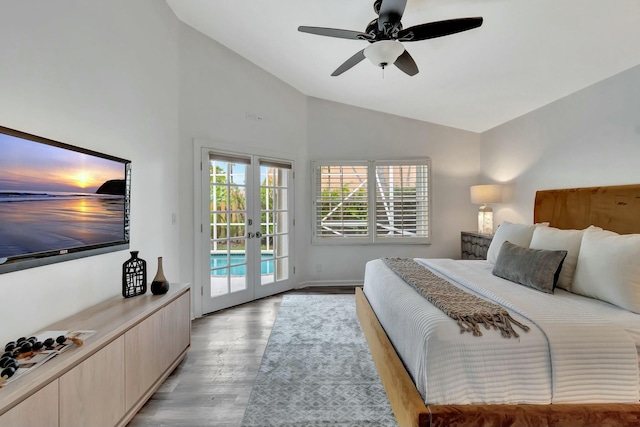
(59, 202)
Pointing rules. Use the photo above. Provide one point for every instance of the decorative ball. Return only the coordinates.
(8, 372)
(5, 361)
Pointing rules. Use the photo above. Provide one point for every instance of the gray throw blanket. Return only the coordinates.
(467, 309)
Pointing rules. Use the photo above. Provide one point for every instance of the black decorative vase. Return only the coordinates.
(134, 276)
(160, 284)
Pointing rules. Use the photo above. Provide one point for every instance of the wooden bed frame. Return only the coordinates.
(615, 208)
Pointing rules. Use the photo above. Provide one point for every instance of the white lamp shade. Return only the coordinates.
(483, 194)
(384, 52)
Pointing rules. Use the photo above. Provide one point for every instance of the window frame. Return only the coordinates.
(372, 238)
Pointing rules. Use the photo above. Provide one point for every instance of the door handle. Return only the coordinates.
(250, 235)
(258, 234)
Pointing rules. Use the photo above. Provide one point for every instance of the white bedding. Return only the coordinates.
(578, 350)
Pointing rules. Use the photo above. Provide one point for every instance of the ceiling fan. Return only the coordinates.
(385, 34)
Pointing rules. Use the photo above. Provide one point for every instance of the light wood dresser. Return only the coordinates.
(138, 342)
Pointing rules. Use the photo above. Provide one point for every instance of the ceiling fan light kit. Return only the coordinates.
(385, 34)
(384, 52)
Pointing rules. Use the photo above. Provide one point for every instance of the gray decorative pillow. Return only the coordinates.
(535, 268)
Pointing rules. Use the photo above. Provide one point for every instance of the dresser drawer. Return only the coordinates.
(474, 245)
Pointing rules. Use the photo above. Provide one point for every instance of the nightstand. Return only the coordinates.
(474, 245)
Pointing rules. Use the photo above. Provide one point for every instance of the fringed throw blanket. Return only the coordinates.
(467, 309)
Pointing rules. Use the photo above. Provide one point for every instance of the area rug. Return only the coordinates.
(317, 369)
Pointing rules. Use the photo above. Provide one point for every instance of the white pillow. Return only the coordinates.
(609, 268)
(554, 239)
(518, 234)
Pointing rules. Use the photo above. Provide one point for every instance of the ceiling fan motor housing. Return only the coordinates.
(390, 31)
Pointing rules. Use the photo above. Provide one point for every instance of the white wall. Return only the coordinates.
(101, 75)
(217, 89)
(589, 138)
(130, 80)
(337, 131)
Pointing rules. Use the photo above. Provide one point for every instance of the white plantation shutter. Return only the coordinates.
(371, 201)
(342, 200)
(402, 200)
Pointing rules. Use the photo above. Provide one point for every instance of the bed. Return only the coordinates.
(609, 398)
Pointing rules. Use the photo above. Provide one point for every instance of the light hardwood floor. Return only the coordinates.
(211, 387)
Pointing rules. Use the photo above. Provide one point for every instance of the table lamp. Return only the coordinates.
(481, 195)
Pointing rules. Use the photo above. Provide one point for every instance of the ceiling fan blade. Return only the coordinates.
(406, 63)
(438, 29)
(333, 32)
(355, 59)
(391, 11)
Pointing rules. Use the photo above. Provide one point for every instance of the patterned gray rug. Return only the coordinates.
(317, 369)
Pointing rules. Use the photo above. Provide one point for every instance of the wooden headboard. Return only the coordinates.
(615, 208)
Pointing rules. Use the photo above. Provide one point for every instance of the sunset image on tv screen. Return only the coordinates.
(57, 199)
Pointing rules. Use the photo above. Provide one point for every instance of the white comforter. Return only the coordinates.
(578, 350)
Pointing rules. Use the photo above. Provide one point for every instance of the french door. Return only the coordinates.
(246, 228)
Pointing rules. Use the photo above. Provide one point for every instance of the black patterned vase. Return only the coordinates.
(160, 284)
(134, 276)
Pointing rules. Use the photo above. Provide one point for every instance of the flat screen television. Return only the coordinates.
(59, 202)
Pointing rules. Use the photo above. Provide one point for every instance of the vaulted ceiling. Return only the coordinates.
(526, 54)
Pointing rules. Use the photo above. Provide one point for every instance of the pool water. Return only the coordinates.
(220, 261)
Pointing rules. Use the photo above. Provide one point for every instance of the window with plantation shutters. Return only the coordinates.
(402, 200)
(371, 201)
(342, 201)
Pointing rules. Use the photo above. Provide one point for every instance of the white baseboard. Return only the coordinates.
(313, 283)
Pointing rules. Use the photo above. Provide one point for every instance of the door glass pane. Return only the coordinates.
(266, 245)
(219, 246)
(282, 268)
(282, 224)
(266, 272)
(281, 245)
(219, 281)
(219, 261)
(267, 223)
(266, 198)
(237, 259)
(237, 231)
(281, 198)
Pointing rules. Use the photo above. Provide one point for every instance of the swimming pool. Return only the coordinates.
(220, 261)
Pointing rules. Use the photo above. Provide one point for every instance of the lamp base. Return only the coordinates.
(485, 220)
